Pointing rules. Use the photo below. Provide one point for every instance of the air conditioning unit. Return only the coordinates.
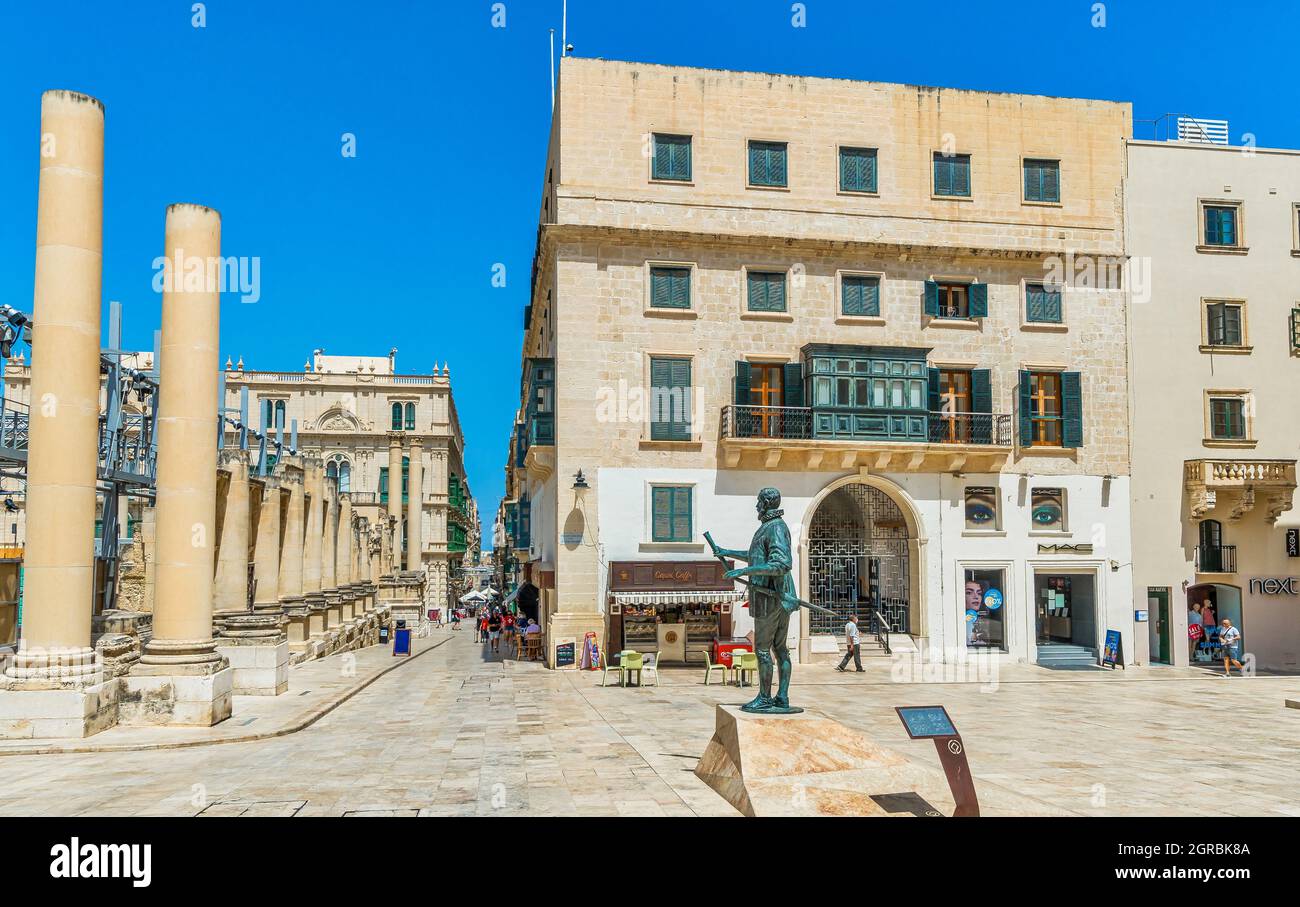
(1202, 132)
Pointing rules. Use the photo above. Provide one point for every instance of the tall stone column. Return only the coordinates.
(63, 444)
(181, 678)
(394, 563)
(343, 556)
(230, 596)
(328, 559)
(291, 554)
(253, 642)
(314, 477)
(415, 506)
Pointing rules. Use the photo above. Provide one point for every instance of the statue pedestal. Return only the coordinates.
(811, 765)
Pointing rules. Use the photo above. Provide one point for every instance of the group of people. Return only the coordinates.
(1203, 626)
(494, 622)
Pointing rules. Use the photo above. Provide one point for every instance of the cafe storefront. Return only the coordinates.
(677, 610)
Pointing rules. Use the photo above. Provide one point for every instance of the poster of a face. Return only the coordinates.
(981, 508)
(1047, 508)
(983, 598)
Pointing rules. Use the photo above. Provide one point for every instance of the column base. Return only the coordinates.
(191, 700)
(72, 712)
(258, 653)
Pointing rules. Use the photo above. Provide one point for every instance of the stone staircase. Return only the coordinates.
(1067, 657)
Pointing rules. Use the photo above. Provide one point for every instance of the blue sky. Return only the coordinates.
(396, 246)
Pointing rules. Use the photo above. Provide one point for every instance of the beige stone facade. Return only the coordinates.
(607, 221)
(1214, 412)
(344, 408)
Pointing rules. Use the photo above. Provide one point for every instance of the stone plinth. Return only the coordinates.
(258, 653)
(811, 765)
(27, 712)
(199, 699)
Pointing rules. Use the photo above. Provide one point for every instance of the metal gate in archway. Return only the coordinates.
(858, 560)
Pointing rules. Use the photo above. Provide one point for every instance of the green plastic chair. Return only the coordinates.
(631, 661)
(744, 663)
(710, 667)
(617, 669)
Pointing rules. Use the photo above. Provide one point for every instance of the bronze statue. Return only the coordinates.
(772, 600)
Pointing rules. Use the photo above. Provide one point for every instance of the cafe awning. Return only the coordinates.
(680, 597)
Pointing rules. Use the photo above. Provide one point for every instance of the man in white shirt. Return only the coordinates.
(532, 627)
(854, 638)
(1230, 642)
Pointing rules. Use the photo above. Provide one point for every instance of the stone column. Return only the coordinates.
(63, 445)
(253, 642)
(394, 562)
(328, 561)
(343, 556)
(314, 477)
(415, 506)
(230, 595)
(291, 555)
(181, 678)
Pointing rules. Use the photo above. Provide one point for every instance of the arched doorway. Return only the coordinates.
(859, 557)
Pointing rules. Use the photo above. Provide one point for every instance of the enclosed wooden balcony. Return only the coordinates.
(1233, 488)
(798, 437)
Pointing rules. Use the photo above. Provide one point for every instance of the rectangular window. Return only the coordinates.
(766, 291)
(954, 300)
(952, 175)
(672, 158)
(1223, 324)
(1228, 418)
(1221, 225)
(670, 399)
(859, 295)
(383, 484)
(670, 513)
(954, 403)
(1042, 303)
(1047, 509)
(984, 597)
(767, 165)
(1295, 330)
(981, 507)
(670, 288)
(857, 169)
(1042, 181)
(1045, 408)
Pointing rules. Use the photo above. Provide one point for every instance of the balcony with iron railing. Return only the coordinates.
(1216, 558)
(834, 438)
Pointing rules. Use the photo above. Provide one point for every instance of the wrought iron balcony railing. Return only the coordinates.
(795, 423)
(1216, 558)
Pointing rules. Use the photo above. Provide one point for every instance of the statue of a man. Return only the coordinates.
(772, 599)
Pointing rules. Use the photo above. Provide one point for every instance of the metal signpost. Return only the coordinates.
(931, 722)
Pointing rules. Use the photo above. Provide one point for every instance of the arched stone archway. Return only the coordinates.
(862, 547)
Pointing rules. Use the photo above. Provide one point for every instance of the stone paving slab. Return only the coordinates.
(315, 688)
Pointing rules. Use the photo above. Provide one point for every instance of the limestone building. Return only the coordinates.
(367, 423)
(1213, 357)
(899, 305)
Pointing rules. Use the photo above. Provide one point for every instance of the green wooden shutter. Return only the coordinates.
(961, 175)
(660, 290)
(670, 381)
(1031, 182)
(978, 295)
(383, 484)
(777, 165)
(663, 159)
(792, 384)
(740, 384)
(932, 298)
(981, 401)
(934, 401)
(1051, 181)
(397, 417)
(850, 296)
(682, 159)
(1071, 410)
(742, 422)
(681, 519)
(670, 288)
(757, 165)
(660, 519)
(1025, 411)
(942, 176)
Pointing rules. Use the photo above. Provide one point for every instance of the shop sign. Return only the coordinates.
(668, 576)
(1065, 549)
(1293, 543)
(1272, 585)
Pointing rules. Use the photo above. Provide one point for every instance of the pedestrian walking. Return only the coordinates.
(494, 630)
(1230, 643)
(854, 638)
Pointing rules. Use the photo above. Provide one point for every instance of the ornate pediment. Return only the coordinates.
(338, 419)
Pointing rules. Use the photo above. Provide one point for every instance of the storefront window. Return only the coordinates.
(1047, 511)
(981, 507)
(985, 614)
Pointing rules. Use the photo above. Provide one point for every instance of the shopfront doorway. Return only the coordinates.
(1158, 620)
(1210, 603)
(1065, 606)
(858, 560)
